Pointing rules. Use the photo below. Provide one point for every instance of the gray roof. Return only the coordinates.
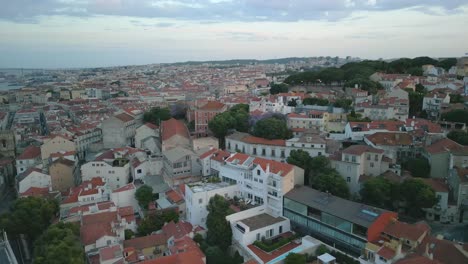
(157, 183)
(261, 221)
(177, 153)
(357, 213)
(237, 136)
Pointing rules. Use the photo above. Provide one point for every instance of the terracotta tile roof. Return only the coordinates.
(417, 259)
(360, 149)
(443, 145)
(63, 161)
(208, 153)
(263, 141)
(240, 157)
(444, 251)
(220, 155)
(124, 188)
(152, 126)
(111, 252)
(386, 253)
(95, 226)
(178, 230)
(35, 192)
(408, 231)
(212, 106)
(437, 184)
(174, 197)
(174, 127)
(276, 167)
(31, 152)
(141, 243)
(124, 117)
(390, 139)
(185, 251)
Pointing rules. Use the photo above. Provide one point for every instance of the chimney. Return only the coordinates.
(268, 168)
(368, 125)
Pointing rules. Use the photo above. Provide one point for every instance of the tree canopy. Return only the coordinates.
(460, 115)
(156, 115)
(219, 230)
(329, 180)
(60, 243)
(277, 88)
(235, 118)
(29, 216)
(144, 195)
(379, 192)
(294, 258)
(315, 101)
(419, 167)
(459, 136)
(417, 195)
(271, 128)
(154, 222)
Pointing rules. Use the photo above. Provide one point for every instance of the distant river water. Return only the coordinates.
(5, 86)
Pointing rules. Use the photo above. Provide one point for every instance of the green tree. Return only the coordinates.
(294, 258)
(214, 255)
(219, 230)
(417, 195)
(29, 216)
(315, 101)
(418, 167)
(364, 84)
(60, 243)
(271, 128)
(343, 103)
(144, 195)
(447, 63)
(460, 115)
(156, 115)
(322, 249)
(459, 136)
(154, 222)
(456, 99)
(292, 103)
(329, 180)
(277, 88)
(379, 192)
(301, 159)
(416, 101)
(220, 125)
(129, 234)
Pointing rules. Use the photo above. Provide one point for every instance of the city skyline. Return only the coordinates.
(75, 34)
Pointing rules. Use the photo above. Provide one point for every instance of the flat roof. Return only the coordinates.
(261, 221)
(207, 186)
(357, 213)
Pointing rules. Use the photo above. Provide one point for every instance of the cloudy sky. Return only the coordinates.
(89, 33)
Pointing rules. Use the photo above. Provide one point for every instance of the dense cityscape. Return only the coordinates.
(233, 132)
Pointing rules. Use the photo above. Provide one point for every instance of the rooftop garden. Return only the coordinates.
(269, 245)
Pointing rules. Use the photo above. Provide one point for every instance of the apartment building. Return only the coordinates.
(261, 180)
(174, 133)
(343, 223)
(56, 144)
(276, 149)
(205, 114)
(30, 157)
(118, 131)
(359, 161)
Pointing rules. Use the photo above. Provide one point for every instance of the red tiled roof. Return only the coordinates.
(444, 251)
(404, 230)
(111, 252)
(276, 167)
(263, 141)
(415, 259)
(36, 192)
(443, 145)
(174, 127)
(141, 243)
(386, 253)
(31, 152)
(124, 188)
(360, 149)
(437, 184)
(220, 155)
(240, 157)
(390, 139)
(152, 126)
(124, 117)
(213, 106)
(178, 230)
(208, 153)
(95, 226)
(174, 197)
